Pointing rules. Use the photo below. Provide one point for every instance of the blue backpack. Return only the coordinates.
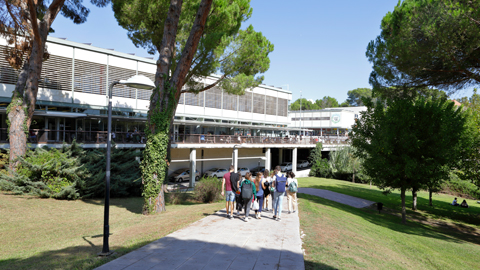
(281, 182)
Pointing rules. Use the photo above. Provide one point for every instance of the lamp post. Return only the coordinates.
(301, 113)
(140, 82)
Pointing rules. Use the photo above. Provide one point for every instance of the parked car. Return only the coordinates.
(216, 172)
(256, 170)
(243, 171)
(181, 175)
(286, 166)
(302, 164)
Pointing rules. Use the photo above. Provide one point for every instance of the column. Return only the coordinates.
(235, 159)
(268, 161)
(294, 160)
(280, 155)
(193, 166)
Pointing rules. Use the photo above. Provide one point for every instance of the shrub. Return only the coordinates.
(320, 168)
(460, 188)
(208, 190)
(176, 196)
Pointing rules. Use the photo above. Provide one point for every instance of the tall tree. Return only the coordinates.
(304, 104)
(194, 39)
(25, 24)
(355, 96)
(327, 102)
(426, 43)
(410, 144)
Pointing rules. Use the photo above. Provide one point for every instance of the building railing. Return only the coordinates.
(100, 137)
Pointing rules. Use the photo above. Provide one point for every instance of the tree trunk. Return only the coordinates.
(430, 197)
(353, 178)
(404, 211)
(414, 199)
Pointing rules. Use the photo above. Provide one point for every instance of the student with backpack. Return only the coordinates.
(292, 189)
(230, 194)
(260, 187)
(235, 179)
(267, 180)
(248, 193)
(280, 184)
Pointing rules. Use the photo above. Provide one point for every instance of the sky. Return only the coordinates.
(319, 45)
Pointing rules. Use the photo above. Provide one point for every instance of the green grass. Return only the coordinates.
(52, 234)
(338, 236)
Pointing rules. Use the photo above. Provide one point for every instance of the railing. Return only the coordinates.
(100, 137)
(235, 139)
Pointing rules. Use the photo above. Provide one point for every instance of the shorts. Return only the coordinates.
(230, 196)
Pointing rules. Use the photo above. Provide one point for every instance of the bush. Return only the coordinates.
(460, 188)
(208, 190)
(320, 168)
(47, 173)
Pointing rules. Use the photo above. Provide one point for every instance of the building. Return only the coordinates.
(210, 129)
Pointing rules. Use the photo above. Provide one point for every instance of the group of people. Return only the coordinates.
(260, 192)
(463, 204)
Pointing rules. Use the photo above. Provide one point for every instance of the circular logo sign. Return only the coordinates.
(335, 118)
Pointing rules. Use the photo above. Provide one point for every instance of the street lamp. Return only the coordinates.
(140, 82)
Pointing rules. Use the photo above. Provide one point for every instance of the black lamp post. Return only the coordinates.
(137, 81)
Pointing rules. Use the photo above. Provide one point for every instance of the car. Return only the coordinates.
(302, 164)
(286, 166)
(181, 175)
(243, 171)
(256, 170)
(216, 172)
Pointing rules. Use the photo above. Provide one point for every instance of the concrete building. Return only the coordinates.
(211, 129)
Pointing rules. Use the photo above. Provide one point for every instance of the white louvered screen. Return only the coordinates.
(213, 98)
(8, 75)
(90, 77)
(142, 93)
(194, 99)
(117, 74)
(57, 73)
(229, 101)
(271, 105)
(258, 103)
(182, 99)
(245, 102)
(282, 107)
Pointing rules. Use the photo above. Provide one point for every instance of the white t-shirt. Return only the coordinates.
(290, 180)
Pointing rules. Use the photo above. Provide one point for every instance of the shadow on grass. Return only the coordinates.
(440, 209)
(393, 222)
(166, 253)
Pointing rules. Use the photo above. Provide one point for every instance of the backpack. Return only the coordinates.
(293, 187)
(234, 178)
(247, 190)
(281, 183)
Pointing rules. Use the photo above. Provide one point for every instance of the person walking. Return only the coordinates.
(248, 192)
(279, 183)
(267, 179)
(235, 179)
(230, 196)
(292, 184)
(260, 194)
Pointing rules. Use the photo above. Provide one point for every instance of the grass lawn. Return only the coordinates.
(52, 234)
(338, 236)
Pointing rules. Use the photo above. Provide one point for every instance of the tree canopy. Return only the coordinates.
(303, 104)
(355, 96)
(426, 43)
(410, 143)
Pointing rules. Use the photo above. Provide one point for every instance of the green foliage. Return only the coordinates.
(125, 177)
(427, 43)
(320, 168)
(356, 96)
(304, 104)
(344, 164)
(47, 173)
(461, 188)
(208, 190)
(412, 143)
(327, 102)
(3, 162)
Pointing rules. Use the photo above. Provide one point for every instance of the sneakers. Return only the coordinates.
(294, 211)
(278, 219)
(246, 219)
(238, 213)
(230, 216)
(289, 212)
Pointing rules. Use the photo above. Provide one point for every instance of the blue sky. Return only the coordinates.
(319, 45)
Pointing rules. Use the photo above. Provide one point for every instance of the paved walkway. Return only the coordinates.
(216, 242)
(337, 197)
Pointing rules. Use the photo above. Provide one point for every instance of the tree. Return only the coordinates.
(344, 161)
(355, 96)
(410, 143)
(304, 104)
(327, 102)
(25, 25)
(427, 43)
(344, 104)
(194, 39)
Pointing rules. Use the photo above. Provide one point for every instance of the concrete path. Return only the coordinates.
(216, 242)
(337, 197)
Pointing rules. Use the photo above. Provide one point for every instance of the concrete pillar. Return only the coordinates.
(280, 155)
(268, 160)
(235, 159)
(193, 166)
(294, 160)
